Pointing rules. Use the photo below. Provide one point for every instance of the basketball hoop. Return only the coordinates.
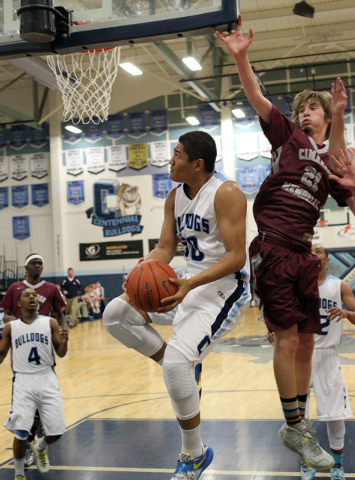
(85, 80)
(322, 223)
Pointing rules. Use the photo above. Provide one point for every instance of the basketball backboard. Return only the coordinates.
(99, 24)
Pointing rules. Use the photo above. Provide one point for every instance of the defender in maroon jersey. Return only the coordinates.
(286, 209)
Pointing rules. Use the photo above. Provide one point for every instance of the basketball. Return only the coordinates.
(148, 283)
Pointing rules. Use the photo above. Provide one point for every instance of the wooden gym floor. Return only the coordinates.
(120, 423)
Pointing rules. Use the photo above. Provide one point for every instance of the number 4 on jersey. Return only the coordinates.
(34, 357)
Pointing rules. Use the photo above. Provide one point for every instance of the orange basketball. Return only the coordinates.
(148, 283)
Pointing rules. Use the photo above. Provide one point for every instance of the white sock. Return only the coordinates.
(19, 466)
(191, 442)
(41, 444)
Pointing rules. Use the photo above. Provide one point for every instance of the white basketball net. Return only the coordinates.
(85, 80)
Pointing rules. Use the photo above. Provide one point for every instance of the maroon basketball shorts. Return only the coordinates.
(286, 281)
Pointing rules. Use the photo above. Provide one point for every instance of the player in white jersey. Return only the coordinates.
(208, 214)
(33, 339)
(333, 404)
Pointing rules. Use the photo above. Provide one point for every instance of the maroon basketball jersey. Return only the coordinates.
(290, 199)
(48, 296)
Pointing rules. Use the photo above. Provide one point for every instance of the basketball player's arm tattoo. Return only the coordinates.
(8, 316)
(59, 338)
(5, 342)
(168, 241)
(347, 297)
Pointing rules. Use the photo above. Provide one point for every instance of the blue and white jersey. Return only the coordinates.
(197, 227)
(330, 296)
(32, 347)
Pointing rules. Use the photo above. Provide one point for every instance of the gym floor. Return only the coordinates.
(120, 422)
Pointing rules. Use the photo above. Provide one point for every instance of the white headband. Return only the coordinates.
(32, 257)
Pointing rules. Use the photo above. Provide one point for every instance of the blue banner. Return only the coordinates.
(38, 138)
(158, 120)
(4, 197)
(265, 170)
(248, 179)
(3, 138)
(18, 136)
(115, 126)
(40, 196)
(161, 185)
(93, 133)
(75, 192)
(21, 227)
(70, 137)
(208, 116)
(19, 196)
(136, 123)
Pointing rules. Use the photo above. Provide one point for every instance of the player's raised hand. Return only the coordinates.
(235, 42)
(347, 166)
(169, 303)
(339, 98)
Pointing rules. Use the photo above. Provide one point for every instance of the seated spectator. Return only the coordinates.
(100, 294)
(82, 309)
(92, 301)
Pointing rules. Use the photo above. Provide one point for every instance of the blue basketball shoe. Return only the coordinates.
(189, 468)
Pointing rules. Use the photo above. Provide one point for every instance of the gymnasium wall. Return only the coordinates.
(58, 229)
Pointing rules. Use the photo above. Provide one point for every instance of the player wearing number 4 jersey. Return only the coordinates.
(286, 209)
(207, 212)
(33, 339)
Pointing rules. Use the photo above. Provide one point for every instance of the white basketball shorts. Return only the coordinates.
(329, 389)
(206, 314)
(32, 392)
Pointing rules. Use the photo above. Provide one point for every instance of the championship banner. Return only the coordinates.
(158, 121)
(265, 171)
(115, 126)
(71, 137)
(247, 146)
(179, 252)
(93, 132)
(4, 197)
(116, 157)
(75, 192)
(264, 146)
(4, 175)
(18, 136)
(3, 138)
(218, 141)
(136, 124)
(74, 162)
(95, 159)
(19, 166)
(39, 164)
(208, 117)
(40, 195)
(19, 196)
(111, 250)
(39, 138)
(138, 155)
(159, 153)
(21, 227)
(248, 179)
(161, 185)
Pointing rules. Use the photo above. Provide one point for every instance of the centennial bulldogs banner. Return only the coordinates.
(111, 250)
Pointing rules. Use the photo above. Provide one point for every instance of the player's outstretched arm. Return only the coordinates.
(5, 342)
(347, 297)
(59, 338)
(238, 46)
(346, 165)
(336, 136)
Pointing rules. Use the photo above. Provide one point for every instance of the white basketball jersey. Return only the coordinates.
(32, 348)
(330, 296)
(197, 227)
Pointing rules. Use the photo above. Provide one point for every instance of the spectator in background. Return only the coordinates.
(100, 294)
(93, 301)
(82, 309)
(71, 288)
